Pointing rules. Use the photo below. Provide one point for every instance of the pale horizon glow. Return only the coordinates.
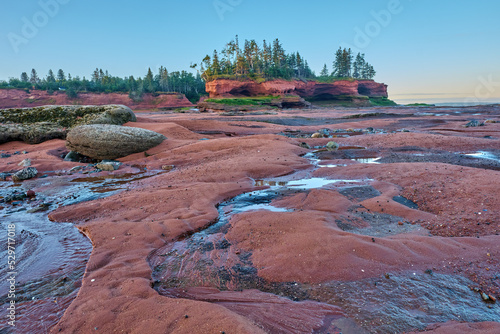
(424, 50)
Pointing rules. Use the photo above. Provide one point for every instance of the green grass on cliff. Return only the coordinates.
(382, 102)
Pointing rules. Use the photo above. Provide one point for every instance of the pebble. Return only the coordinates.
(26, 162)
(167, 167)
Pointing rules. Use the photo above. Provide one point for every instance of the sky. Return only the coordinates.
(424, 50)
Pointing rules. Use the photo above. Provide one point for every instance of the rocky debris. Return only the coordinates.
(24, 174)
(104, 141)
(38, 124)
(15, 195)
(108, 165)
(3, 176)
(474, 123)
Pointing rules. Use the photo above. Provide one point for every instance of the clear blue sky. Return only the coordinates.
(424, 49)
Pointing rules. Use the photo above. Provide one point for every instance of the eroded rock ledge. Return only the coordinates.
(305, 89)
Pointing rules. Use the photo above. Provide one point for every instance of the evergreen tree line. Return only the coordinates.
(101, 81)
(346, 66)
(270, 61)
(255, 61)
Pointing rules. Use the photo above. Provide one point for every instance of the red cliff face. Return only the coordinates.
(17, 98)
(309, 89)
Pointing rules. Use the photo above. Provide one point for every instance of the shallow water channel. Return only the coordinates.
(50, 258)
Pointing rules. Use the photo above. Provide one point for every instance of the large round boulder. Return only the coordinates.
(35, 125)
(105, 141)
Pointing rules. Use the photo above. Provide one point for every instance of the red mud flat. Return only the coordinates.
(17, 98)
(403, 246)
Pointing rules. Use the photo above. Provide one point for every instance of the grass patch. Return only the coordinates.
(420, 105)
(382, 102)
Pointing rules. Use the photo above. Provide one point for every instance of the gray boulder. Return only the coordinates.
(104, 141)
(24, 174)
(38, 124)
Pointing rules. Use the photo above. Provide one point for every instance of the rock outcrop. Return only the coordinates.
(305, 89)
(18, 98)
(104, 141)
(281, 102)
(38, 124)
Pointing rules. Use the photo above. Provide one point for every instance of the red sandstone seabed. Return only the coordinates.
(305, 245)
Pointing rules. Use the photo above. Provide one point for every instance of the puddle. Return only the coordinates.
(484, 155)
(406, 202)
(50, 257)
(368, 160)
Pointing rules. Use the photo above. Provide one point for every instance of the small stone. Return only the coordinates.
(24, 174)
(167, 167)
(474, 123)
(305, 145)
(26, 162)
(5, 155)
(73, 156)
(332, 146)
(186, 316)
(317, 135)
(30, 193)
(108, 166)
(485, 296)
(400, 223)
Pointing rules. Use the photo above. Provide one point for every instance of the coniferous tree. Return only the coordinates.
(324, 71)
(24, 77)
(34, 79)
(60, 76)
(50, 77)
(149, 82)
(216, 68)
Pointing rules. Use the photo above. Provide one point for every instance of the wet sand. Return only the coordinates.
(244, 235)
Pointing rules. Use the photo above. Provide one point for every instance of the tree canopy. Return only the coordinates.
(254, 61)
(271, 61)
(102, 82)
